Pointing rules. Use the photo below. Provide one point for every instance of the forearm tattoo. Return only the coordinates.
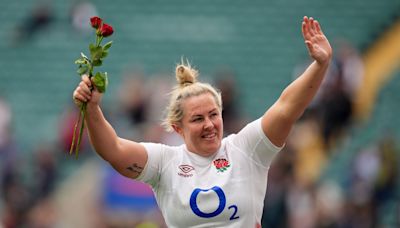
(134, 168)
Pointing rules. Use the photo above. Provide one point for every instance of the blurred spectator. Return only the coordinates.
(307, 142)
(45, 171)
(42, 215)
(373, 183)
(13, 194)
(280, 177)
(301, 206)
(80, 14)
(387, 175)
(329, 204)
(8, 150)
(5, 124)
(40, 18)
(233, 119)
(338, 92)
(17, 201)
(133, 98)
(157, 87)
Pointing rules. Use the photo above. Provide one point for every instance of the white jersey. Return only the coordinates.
(224, 190)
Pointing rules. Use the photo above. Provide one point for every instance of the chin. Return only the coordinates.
(212, 149)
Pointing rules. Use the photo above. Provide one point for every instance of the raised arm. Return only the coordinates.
(279, 119)
(127, 157)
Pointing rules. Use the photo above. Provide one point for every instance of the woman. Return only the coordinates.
(209, 181)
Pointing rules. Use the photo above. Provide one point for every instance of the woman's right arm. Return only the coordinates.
(127, 157)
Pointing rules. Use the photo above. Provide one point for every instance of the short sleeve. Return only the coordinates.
(152, 169)
(252, 140)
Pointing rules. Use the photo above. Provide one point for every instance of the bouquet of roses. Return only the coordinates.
(86, 66)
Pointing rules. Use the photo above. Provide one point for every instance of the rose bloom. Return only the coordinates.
(106, 30)
(96, 22)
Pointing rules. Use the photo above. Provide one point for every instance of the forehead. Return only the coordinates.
(199, 105)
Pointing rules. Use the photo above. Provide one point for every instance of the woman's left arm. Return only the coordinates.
(279, 119)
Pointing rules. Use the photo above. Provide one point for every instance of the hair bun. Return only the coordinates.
(185, 75)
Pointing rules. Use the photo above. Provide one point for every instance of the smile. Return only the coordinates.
(209, 136)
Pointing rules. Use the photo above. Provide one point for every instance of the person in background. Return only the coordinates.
(209, 181)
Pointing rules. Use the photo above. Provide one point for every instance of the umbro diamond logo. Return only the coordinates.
(186, 170)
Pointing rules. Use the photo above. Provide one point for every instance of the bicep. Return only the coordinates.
(130, 159)
(276, 124)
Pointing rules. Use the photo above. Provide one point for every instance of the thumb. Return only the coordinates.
(310, 46)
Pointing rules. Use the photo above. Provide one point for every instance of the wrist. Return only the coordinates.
(92, 106)
(324, 62)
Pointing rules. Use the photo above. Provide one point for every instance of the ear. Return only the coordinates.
(177, 129)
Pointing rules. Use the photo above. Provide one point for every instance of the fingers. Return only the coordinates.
(305, 28)
(306, 34)
(86, 79)
(318, 28)
(310, 28)
(83, 92)
(78, 98)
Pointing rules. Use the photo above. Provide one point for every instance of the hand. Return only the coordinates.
(318, 45)
(86, 91)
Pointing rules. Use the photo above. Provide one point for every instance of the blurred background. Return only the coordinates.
(339, 167)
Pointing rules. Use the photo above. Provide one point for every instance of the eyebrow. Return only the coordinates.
(200, 115)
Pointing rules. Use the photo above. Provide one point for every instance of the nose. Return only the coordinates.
(208, 124)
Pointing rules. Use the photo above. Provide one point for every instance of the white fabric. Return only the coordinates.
(230, 197)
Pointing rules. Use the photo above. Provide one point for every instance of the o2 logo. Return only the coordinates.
(221, 206)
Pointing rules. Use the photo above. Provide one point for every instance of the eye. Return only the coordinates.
(214, 114)
(197, 119)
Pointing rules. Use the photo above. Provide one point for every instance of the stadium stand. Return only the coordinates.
(259, 40)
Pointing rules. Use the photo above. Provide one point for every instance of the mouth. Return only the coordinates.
(209, 136)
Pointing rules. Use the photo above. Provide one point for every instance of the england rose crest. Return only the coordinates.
(221, 164)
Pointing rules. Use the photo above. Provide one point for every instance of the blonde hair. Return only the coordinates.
(188, 86)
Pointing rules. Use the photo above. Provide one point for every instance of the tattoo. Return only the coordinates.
(135, 168)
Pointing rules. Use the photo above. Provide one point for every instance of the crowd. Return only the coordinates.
(296, 195)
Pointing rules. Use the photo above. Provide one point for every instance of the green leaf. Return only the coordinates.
(81, 61)
(91, 47)
(82, 69)
(107, 45)
(97, 62)
(96, 53)
(101, 81)
(104, 54)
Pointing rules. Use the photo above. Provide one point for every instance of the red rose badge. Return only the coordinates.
(221, 164)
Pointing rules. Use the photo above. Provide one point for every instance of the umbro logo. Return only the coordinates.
(185, 170)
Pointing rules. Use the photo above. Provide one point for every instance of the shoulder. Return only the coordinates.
(161, 148)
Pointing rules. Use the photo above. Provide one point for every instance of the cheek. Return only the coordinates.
(194, 131)
(219, 124)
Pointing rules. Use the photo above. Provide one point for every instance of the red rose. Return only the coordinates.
(106, 30)
(217, 164)
(96, 22)
(221, 163)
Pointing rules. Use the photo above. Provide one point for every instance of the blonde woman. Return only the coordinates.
(209, 181)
